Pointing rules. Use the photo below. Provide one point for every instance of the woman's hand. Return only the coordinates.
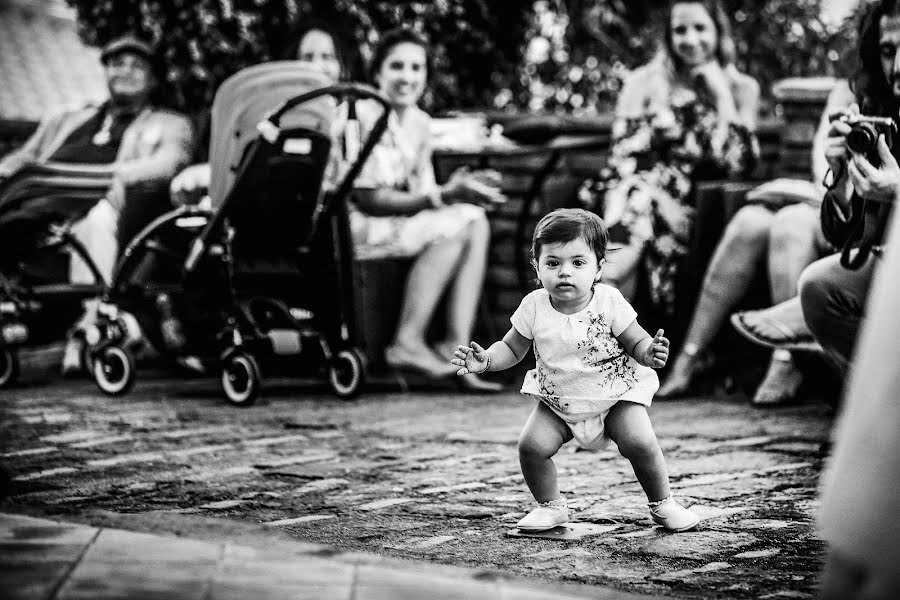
(471, 359)
(190, 185)
(476, 187)
(657, 352)
(881, 184)
(713, 77)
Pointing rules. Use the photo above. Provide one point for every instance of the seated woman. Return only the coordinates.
(687, 114)
(401, 212)
(784, 238)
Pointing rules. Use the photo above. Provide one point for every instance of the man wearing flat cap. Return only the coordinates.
(145, 145)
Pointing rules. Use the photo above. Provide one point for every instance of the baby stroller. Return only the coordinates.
(267, 274)
(38, 206)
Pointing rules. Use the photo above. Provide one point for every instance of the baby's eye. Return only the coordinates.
(579, 262)
(552, 263)
(680, 29)
(887, 51)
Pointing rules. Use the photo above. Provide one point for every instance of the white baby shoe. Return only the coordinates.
(546, 516)
(672, 516)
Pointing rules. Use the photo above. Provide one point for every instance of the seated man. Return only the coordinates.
(145, 144)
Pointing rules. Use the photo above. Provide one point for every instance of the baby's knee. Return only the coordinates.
(533, 447)
(637, 446)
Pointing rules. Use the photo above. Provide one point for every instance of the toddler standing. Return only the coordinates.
(594, 376)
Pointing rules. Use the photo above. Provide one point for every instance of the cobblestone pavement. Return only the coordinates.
(432, 476)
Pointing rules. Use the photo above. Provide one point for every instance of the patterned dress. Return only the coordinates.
(582, 370)
(644, 193)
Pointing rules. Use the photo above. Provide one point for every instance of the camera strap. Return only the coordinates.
(857, 227)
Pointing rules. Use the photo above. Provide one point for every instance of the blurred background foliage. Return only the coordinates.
(561, 56)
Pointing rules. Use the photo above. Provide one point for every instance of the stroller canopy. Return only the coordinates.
(245, 98)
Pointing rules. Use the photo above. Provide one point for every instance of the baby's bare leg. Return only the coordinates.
(541, 438)
(628, 424)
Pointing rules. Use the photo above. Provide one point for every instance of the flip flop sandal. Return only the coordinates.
(789, 341)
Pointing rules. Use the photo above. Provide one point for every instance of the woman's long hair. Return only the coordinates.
(393, 38)
(725, 48)
(346, 54)
(873, 90)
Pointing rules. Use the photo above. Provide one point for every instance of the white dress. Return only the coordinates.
(582, 370)
(402, 160)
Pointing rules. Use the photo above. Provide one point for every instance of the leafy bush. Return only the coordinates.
(475, 42)
(578, 51)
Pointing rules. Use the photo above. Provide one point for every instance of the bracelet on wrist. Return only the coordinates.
(487, 366)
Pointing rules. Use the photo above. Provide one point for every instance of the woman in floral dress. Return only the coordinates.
(687, 114)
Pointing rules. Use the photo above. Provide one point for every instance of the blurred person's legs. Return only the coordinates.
(97, 232)
(464, 296)
(795, 241)
(833, 299)
(858, 518)
(737, 256)
(431, 273)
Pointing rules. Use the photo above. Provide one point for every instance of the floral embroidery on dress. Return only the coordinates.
(645, 188)
(605, 353)
(546, 386)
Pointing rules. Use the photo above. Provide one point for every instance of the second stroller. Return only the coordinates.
(268, 272)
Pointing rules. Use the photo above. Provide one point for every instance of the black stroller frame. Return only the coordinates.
(38, 208)
(251, 321)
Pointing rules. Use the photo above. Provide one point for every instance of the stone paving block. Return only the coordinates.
(298, 520)
(695, 545)
(434, 541)
(247, 573)
(380, 583)
(297, 459)
(95, 579)
(221, 505)
(320, 485)
(755, 554)
(455, 510)
(444, 489)
(388, 502)
(117, 546)
(687, 574)
(572, 531)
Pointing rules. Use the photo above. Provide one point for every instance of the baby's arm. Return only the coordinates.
(501, 355)
(649, 351)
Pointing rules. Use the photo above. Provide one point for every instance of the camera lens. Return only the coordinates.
(861, 138)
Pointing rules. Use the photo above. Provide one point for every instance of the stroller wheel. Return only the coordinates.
(241, 379)
(113, 370)
(9, 367)
(346, 374)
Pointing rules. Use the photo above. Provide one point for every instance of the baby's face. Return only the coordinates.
(568, 272)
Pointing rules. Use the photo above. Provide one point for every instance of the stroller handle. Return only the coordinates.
(357, 90)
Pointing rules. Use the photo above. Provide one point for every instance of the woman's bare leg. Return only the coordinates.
(465, 289)
(792, 247)
(429, 276)
(737, 256)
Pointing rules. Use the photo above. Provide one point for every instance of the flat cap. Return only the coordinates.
(128, 43)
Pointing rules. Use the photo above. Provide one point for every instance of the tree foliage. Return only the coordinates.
(555, 55)
(475, 42)
(579, 50)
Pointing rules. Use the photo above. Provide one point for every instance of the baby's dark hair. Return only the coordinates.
(566, 224)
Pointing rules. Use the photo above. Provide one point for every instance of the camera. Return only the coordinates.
(864, 132)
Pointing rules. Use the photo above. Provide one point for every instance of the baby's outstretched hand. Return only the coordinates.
(658, 351)
(472, 359)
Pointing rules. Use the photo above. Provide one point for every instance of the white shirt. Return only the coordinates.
(582, 369)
